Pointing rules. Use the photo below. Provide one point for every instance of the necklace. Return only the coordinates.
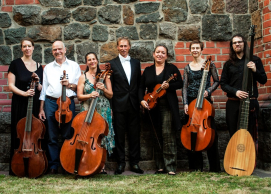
(93, 75)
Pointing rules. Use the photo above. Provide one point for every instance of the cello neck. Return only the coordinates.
(29, 114)
(202, 89)
(63, 95)
(92, 105)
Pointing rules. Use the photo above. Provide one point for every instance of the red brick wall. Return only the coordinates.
(7, 4)
(263, 50)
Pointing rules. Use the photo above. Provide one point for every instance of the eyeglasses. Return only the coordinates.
(239, 42)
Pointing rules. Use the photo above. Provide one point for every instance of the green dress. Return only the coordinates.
(103, 108)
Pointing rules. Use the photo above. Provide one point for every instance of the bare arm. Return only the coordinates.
(14, 89)
(42, 113)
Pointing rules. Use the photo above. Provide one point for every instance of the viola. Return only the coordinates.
(29, 160)
(63, 114)
(82, 154)
(158, 92)
(197, 134)
(240, 154)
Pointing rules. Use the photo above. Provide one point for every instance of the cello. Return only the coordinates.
(158, 92)
(197, 134)
(240, 154)
(63, 114)
(82, 154)
(29, 160)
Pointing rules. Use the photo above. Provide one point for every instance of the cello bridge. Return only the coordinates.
(27, 150)
(83, 142)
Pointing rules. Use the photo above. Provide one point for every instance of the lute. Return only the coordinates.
(240, 155)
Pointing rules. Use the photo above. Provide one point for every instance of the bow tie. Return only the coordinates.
(128, 58)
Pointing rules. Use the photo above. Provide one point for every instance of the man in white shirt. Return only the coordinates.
(125, 105)
(51, 91)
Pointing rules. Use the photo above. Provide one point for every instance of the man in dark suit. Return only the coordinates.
(125, 105)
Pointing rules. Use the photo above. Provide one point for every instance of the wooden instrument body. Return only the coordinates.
(158, 92)
(199, 122)
(151, 98)
(63, 114)
(29, 159)
(82, 154)
(30, 147)
(240, 154)
(93, 156)
(197, 134)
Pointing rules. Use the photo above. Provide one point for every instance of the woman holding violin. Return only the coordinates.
(86, 92)
(19, 78)
(165, 115)
(192, 79)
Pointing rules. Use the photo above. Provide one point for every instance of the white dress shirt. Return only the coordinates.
(52, 73)
(126, 66)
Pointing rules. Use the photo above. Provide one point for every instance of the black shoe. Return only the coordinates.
(135, 168)
(120, 169)
(52, 171)
(103, 171)
(160, 172)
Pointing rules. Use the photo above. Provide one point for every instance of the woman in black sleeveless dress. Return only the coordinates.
(19, 78)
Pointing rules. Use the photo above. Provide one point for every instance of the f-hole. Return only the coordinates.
(203, 124)
(74, 139)
(92, 144)
(189, 122)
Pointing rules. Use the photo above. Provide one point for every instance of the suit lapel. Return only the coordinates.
(132, 70)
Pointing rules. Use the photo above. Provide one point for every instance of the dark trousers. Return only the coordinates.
(232, 115)
(50, 106)
(127, 121)
(195, 159)
(166, 156)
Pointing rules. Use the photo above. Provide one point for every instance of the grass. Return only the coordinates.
(184, 182)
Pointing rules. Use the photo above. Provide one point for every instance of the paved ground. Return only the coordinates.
(257, 172)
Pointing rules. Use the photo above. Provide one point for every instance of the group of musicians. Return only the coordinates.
(126, 88)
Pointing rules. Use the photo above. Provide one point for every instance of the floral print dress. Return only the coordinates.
(103, 108)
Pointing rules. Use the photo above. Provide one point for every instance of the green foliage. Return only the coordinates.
(183, 182)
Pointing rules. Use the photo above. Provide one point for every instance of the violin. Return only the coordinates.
(29, 160)
(63, 114)
(82, 154)
(197, 134)
(158, 92)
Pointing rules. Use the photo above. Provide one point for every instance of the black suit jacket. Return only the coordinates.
(122, 91)
(148, 80)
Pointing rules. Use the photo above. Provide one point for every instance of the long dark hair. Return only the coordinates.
(232, 54)
(98, 68)
(162, 45)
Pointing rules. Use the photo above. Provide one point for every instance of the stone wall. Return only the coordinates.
(94, 25)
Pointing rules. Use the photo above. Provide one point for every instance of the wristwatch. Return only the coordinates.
(71, 86)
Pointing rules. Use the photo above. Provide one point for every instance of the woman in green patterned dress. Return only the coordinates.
(86, 92)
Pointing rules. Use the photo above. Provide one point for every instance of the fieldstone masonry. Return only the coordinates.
(94, 25)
